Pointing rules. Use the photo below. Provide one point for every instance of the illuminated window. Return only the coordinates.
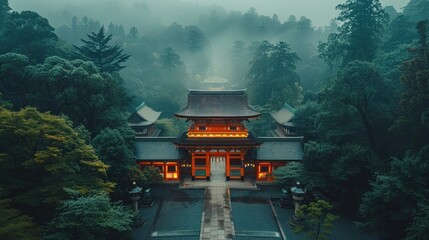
(171, 172)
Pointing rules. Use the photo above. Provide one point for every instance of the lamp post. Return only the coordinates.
(298, 193)
(285, 199)
(135, 196)
(147, 199)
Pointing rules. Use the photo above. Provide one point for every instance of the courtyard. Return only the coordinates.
(220, 209)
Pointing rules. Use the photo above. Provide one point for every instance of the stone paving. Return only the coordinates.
(216, 220)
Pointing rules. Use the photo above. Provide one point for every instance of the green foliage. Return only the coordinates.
(152, 176)
(97, 50)
(358, 92)
(318, 220)
(146, 177)
(415, 97)
(359, 35)
(170, 59)
(30, 34)
(168, 127)
(419, 228)
(114, 147)
(16, 226)
(289, 174)
(4, 12)
(272, 76)
(74, 88)
(265, 123)
(13, 82)
(3, 103)
(90, 217)
(318, 160)
(353, 163)
(40, 154)
(398, 197)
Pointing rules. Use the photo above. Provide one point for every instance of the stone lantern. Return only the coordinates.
(285, 199)
(135, 196)
(147, 199)
(298, 193)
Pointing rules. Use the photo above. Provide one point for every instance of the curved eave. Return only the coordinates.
(189, 116)
(141, 124)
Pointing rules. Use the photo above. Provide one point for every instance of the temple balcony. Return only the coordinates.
(224, 130)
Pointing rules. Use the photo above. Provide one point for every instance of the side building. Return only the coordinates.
(217, 130)
(142, 121)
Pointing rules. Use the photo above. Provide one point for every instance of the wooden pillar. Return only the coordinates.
(208, 166)
(165, 171)
(257, 171)
(193, 166)
(242, 165)
(227, 166)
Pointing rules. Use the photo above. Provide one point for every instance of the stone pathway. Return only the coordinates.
(217, 222)
(216, 219)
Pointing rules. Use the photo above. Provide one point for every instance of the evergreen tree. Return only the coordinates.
(415, 98)
(359, 35)
(4, 12)
(30, 34)
(272, 76)
(96, 49)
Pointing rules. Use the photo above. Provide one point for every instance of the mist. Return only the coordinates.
(168, 11)
(205, 37)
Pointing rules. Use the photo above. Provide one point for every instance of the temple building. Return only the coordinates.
(283, 118)
(215, 82)
(217, 132)
(142, 121)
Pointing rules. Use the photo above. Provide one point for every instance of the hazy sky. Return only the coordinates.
(319, 11)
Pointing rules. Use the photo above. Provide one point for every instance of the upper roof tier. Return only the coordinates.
(228, 104)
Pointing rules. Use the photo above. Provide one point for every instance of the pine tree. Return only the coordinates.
(359, 35)
(97, 50)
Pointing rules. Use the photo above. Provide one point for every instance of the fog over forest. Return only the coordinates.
(319, 11)
(216, 26)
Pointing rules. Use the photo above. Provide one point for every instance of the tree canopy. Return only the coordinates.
(272, 76)
(90, 216)
(40, 156)
(97, 50)
(358, 37)
(30, 34)
(78, 89)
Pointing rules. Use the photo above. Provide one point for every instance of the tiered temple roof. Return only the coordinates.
(225, 104)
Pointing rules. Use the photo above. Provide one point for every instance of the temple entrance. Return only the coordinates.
(210, 165)
(217, 168)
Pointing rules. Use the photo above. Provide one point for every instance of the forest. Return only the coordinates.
(360, 87)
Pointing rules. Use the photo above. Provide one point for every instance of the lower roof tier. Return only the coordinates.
(261, 149)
